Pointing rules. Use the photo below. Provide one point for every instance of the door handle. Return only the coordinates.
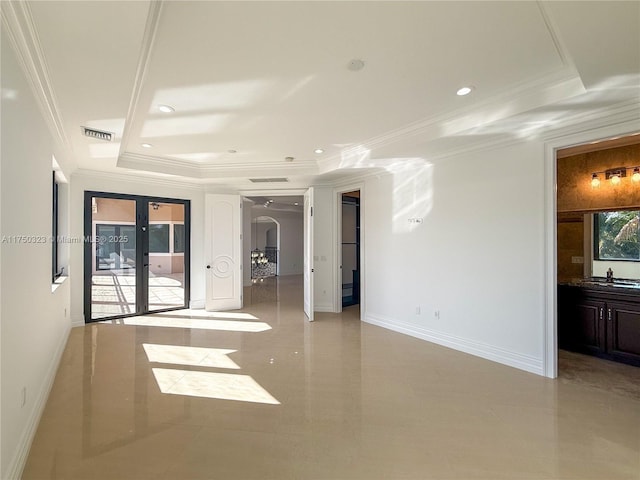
(145, 264)
(609, 314)
(208, 266)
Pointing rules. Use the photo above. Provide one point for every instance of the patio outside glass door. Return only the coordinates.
(113, 259)
(136, 261)
(166, 256)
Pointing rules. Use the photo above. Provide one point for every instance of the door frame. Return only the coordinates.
(308, 255)
(337, 241)
(254, 225)
(142, 203)
(621, 128)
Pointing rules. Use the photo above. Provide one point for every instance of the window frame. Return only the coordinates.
(596, 239)
(55, 217)
(175, 237)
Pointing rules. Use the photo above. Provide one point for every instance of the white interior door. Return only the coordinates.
(308, 254)
(223, 247)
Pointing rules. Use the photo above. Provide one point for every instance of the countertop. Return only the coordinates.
(601, 284)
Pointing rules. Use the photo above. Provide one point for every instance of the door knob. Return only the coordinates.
(208, 266)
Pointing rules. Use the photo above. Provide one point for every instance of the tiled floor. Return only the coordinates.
(114, 292)
(263, 394)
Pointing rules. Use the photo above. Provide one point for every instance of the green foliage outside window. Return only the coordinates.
(616, 235)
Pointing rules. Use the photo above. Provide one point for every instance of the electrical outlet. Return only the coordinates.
(436, 313)
(418, 310)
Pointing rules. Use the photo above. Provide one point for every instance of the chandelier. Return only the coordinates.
(258, 257)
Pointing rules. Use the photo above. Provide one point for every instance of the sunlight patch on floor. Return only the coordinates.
(195, 356)
(206, 314)
(204, 324)
(222, 386)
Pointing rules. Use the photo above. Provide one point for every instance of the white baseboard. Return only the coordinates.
(19, 460)
(197, 304)
(489, 352)
(77, 322)
(323, 308)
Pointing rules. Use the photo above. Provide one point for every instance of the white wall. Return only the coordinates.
(136, 186)
(477, 258)
(35, 320)
(324, 248)
(621, 269)
(259, 233)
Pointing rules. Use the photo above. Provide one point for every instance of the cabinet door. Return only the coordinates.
(623, 332)
(586, 327)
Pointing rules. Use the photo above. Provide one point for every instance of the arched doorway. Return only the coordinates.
(265, 247)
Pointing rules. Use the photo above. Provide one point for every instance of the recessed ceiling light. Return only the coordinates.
(146, 145)
(318, 151)
(232, 151)
(166, 108)
(464, 91)
(355, 65)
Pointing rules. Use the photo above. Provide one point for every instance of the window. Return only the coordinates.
(159, 238)
(55, 270)
(115, 246)
(615, 235)
(178, 238)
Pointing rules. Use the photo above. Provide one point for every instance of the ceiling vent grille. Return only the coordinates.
(99, 134)
(268, 180)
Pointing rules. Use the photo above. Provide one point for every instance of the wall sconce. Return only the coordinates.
(615, 175)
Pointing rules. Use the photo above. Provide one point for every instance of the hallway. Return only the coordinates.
(263, 394)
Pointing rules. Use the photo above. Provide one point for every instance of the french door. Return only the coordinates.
(136, 255)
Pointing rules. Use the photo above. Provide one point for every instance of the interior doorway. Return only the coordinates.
(597, 259)
(136, 257)
(265, 248)
(350, 248)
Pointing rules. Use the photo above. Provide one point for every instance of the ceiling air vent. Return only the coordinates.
(268, 180)
(99, 134)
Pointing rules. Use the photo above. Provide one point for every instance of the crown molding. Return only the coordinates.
(137, 179)
(148, 40)
(593, 119)
(617, 114)
(185, 168)
(148, 163)
(20, 27)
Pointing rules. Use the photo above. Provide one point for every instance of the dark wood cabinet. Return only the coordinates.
(623, 332)
(600, 321)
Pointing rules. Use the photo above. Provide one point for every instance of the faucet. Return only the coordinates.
(609, 276)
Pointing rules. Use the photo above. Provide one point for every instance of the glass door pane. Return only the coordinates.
(113, 265)
(165, 253)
